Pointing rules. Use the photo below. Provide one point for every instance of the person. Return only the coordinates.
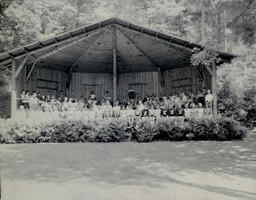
(208, 99)
(81, 103)
(33, 101)
(92, 96)
(139, 108)
(116, 109)
(108, 109)
(200, 98)
(200, 111)
(61, 96)
(171, 111)
(163, 106)
(180, 111)
(25, 100)
(65, 104)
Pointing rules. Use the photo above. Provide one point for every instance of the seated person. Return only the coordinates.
(200, 98)
(183, 98)
(180, 111)
(172, 111)
(123, 103)
(92, 95)
(187, 111)
(61, 96)
(139, 108)
(163, 107)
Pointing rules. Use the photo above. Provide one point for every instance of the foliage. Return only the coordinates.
(205, 57)
(236, 86)
(24, 21)
(68, 129)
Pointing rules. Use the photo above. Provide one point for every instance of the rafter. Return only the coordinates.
(21, 66)
(139, 49)
(30, 71)
(55, 51)
(209, 70)
(83, 56)
(157, 67)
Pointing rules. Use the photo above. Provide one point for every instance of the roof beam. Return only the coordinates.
(160, 76)
(21, 66)
(54, 44)
(140, 50)
(83, 56)
(53, 52)
(30, 71)
(64, 46)
(180, 49)
(209, 70)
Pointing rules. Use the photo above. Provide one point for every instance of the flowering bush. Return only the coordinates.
(66, 128)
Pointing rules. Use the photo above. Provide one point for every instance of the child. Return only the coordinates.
(208, 99)
(116, 109)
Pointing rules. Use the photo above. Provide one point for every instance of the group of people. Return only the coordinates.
(174, 105)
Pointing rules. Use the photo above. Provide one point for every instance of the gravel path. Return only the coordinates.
(114, 171)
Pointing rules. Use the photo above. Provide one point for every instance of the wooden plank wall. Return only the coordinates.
(184, 79)
(176, 80)
(82, 84)
(52, 78)
(148, 79)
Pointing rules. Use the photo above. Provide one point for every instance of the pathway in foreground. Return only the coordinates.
(159, 170)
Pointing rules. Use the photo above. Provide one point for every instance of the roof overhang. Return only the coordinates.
(89, 49)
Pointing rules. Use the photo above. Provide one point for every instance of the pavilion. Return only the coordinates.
(111, 56)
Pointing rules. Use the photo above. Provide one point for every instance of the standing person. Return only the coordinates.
(208, 99)
(26, 98)
(22, 96)
(116, 110)
(33, 101)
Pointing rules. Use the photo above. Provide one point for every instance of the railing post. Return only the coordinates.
(214, 89)
(13, 90)
(114, 65)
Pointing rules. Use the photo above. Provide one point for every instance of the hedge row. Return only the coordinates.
(123, 130)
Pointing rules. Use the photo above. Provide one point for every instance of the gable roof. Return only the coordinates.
(151, 47)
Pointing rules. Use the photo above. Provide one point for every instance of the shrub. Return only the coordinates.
(66, 129)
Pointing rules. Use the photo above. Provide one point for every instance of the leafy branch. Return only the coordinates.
(205, 57)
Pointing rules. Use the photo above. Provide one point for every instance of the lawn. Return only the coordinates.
(112, 171)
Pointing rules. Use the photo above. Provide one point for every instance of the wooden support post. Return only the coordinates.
(161, 81)
(214, 89)
(203, 22)
(114, 65)
(13, 90)
(225, 31)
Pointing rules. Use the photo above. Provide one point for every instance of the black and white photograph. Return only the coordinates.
(127, 99)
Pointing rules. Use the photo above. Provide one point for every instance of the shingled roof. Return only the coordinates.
(89, 49)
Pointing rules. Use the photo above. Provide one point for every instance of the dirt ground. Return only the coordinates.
(114, 171)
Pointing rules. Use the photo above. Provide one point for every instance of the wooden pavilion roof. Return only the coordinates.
(89, 49)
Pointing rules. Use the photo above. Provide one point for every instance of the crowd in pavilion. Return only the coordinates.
(181, 104)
